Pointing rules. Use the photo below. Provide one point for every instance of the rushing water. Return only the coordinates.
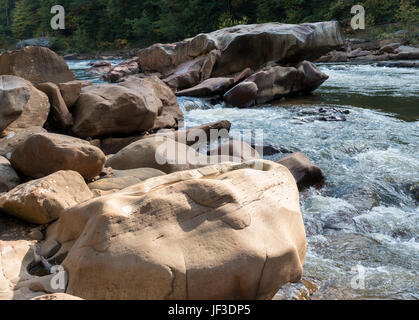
(365, 220)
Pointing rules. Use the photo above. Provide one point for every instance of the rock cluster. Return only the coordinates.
(131, 211)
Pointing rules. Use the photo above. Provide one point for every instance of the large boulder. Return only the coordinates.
(8, 176)
(36, 64)
(278, 82)
(45, 153)
(248, 46)
(42, 201)
(21, 105)
(112, 109)
(306, 174)
(158, 152)
(221, 232)
(60, 112)
(13, 139)
(158, 94)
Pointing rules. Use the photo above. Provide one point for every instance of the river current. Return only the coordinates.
(363, 225)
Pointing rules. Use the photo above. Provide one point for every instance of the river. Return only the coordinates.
(363, 225)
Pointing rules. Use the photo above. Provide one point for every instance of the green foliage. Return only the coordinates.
(118, 24)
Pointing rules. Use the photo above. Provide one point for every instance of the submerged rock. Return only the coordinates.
(306, 174)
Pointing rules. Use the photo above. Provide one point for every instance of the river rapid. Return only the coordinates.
(363, 225)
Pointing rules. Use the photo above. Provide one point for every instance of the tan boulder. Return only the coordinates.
(247, 46)
(158, 152)
(112, 109)
(59, 108)
(70, 91)
(22, 105)
(222, 232)
(256, 44)
(306, 174)
(157, 94)
(42, 201)
(44, 153)
(8, 176)
(36, 64)
(13, 139)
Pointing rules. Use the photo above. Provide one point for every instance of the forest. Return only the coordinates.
(119, 24)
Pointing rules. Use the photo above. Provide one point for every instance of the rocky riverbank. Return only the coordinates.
(106, 183)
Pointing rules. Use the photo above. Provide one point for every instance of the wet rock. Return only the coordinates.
(44, 153)
(191, 216)
(323, 114)
(269, 150)
(36, 64)
(306, 174)
(42, 201)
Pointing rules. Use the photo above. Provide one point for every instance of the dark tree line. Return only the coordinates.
(103, 24)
